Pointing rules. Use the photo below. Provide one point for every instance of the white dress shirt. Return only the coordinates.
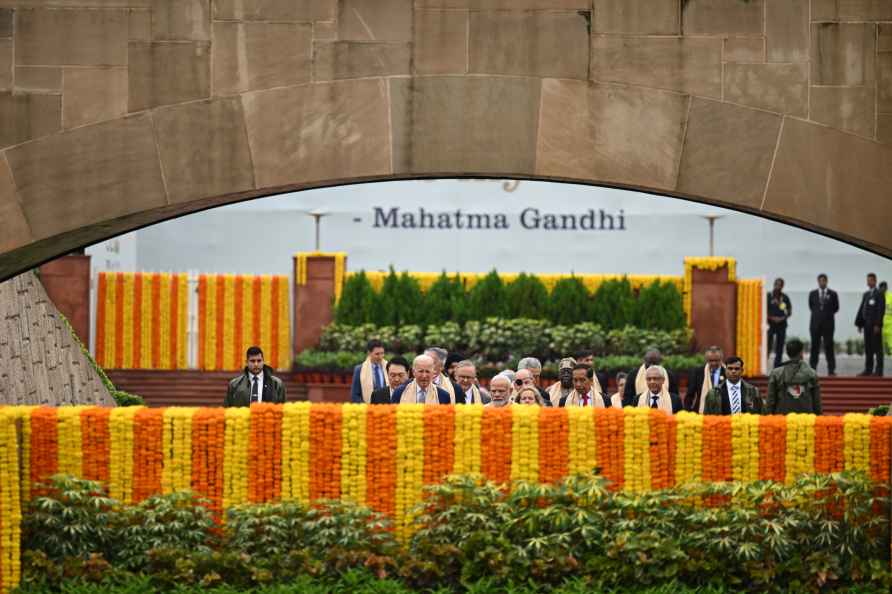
(732, 388)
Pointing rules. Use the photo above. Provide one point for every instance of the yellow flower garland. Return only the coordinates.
(176, 471)
(409, 464)
(688, 448)
(340, 258)
(582, 455)
(467, 439)
(856, 441)
(636, 449)
(525, 443)
(127, 322)
(353, 459)
(749, 324)
(296, 451)
(232, 353)
(745, 447)
(120, 465)
(70, 442)
(235, 456)
(703, 263)
(800, 446)
(10, 500)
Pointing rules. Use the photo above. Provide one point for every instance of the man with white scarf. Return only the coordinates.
(369, 376)
(657, 394)
(701, 381)
(421, 389)
(636, 383)
(466, 376)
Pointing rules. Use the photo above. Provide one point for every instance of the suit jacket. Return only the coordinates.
(630, 395)
(871, 314)
(442, 394)
(604, 398)
(356, 386)
(381, 396)
(677, 405)
(239, 392)
(781, 308)
(718, 400)
(695, 387)
(822, 318)
(545, 397)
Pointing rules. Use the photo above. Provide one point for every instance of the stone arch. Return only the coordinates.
(120, 113)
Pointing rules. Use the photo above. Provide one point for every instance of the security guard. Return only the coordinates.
(793, 387)
(870, 321)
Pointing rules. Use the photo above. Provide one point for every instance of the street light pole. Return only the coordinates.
(712, 219)
(317, 218)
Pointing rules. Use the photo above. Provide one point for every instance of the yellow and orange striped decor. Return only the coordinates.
(749, 324)
(383, 456)
(238, 311)
(141, 320)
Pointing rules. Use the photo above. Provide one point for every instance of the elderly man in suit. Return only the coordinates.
(636, 382)
(701, 381)
(823, 303)
(421, 390)
(397, 375)
(466, 376)
(734, 395)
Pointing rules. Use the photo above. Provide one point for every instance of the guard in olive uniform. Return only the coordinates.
(870, 321)
(779, 309)
(256, 384)
(793, 387)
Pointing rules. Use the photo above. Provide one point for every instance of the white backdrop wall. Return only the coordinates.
(413, 225)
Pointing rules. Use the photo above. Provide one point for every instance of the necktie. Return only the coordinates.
(654, 400)
(735, 400)
(585, 400)
(379, 380)
(254, 390)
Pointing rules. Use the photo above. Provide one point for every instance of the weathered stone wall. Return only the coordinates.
(40, 362)
(117, 113)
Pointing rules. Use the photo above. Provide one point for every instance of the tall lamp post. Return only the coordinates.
(712, 219)
(317, 219)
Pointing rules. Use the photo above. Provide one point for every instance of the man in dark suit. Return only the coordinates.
(397, 375)
(823, 303)
(635, 381)
(421, 390)
(733, 396)
(256, 383)
(588, 358)
(779, 309)
(701, 381)
(656, 395)
(368, 376)
(870, 321)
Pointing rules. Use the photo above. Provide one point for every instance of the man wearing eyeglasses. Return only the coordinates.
(466, 376)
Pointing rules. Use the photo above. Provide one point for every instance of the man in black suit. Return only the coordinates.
(701, 381)
(397, 375)
(779, 309)
(870, 321)
(823, 303)
(656, 395)
(734, 395)
(588, 358)
(636, 382)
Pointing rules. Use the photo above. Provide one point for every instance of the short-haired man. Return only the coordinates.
(600, 378)
(870, 321)
(636, 382)
(583, 393)
(561, 388)
(397, 375)
(657, 394)
(701, 381)
(466, 375)
(368, 376)
(823, 303)
(793, 387)
(734, 395)
(500, 391)
(779, 310)
(441, 380)
(256, 384)
(534, 366)
(421, 390)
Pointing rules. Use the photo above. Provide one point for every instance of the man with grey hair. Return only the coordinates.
(637, 380)
(421, 390)
(466, 375)
(704, 379)
(500, 389)
(441, 380)
(533, 366)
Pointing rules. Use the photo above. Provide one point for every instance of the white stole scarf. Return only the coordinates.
(641, 380)
(367, 379)
(707, 386)
(665, 401)
(574, 399)
(475, 397)
(555, 393)
(446, 384)
(616, 401)
(410, 394)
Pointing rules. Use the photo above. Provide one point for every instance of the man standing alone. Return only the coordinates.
(823, 303)
(779, 309)
(870, 321)
(256, 384)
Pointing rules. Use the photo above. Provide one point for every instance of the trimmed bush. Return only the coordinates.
(526, 297)
(614, 304)
(660, 306)
(570, 302)
(444, 301)
(487, 298)
(356, 304)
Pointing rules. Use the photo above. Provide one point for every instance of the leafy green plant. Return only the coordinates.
(570, 302)
(357, 300)
(487, 298)
(659, 307)
(614, 304)
(444, 301)
(526, 297)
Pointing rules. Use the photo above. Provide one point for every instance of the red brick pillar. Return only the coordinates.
(714, 309)
(313, 299)
(67, 282)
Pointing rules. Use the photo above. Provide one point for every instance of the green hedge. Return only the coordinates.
(823, 533)
(614, 305)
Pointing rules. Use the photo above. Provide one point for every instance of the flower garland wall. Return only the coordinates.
(383, 456)
(749, 324)
(141, 320)
(238, 311)
(340, 272)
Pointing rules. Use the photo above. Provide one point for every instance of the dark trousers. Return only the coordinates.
(822, 334)
(873, 351)
(777, 336)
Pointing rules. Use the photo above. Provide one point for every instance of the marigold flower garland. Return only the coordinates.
(409, 465)
(296, 451)
(148, 455)
(353, 459)
(381, 457)
(880, 429)
(688, 448)
(829, 455)
(120, 464)
(554, 443)
(235, 456)
(44, 448)
(772, 448)
(800, 453)
(856, 444)
(582, 446)
(610, 430)
(208, 428)
(525, 443)
(176, 470)
(495, 447)
(325, 451)
(265, 453)
(749, 323)
(636, 450)
(439, 437)
(10, 500)
(22, 416)
(96, 443)
(661, 425)
(468, 423)
(745, 447)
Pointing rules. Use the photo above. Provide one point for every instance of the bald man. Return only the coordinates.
(421, 389)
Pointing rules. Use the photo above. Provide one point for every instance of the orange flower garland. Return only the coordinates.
(148, 457)
(208, 427)
(554, 444)
(96, 443)
(265, 453)
(610, 436)
(439, 435)
(772, 448)
(44, 448)
(659, 450)
(880, 430)
(381, 458)
(828, 445)
(495, 444)
(325, 452)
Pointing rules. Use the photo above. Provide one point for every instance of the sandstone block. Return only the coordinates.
(93, 94)
(165, 73)
(5, 64)
(477, 124)
(99, 173)
(325, 31)
(610, 133)
(832, 180)
(16, 231)
(26, 116)
(850, 10)
(884, 128)
(884, 37)
(846, 108)
(253, 56)
(204, 149)
(727, 152)
(507, 4)
(689, 65)
(711, 17)
(140, 25)
(786, 26)
(39, 78)
(884, 90)
(276, 10)
(744, 49)
(6, 18)
(642, 17)
(842, 53)
(181, 20)
(47, 37)
(375, 20)
(441, 42)
(529, 44)
(350, 59)
(775, 87)
(335, 131)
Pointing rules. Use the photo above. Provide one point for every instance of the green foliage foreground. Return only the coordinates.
(823, 533)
